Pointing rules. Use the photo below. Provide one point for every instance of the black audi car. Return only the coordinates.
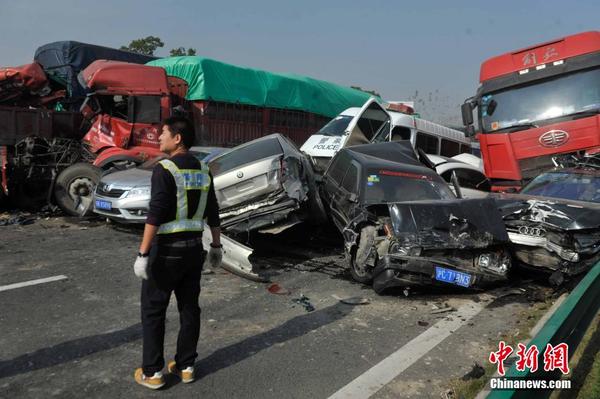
(554, 222)
(403, 226)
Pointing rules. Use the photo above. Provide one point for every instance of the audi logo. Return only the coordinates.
(531, 231)
(554, 138)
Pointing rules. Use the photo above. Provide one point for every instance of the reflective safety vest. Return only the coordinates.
(187, 179)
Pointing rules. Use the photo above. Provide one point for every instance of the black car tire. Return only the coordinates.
(360, 270)
(79, 179)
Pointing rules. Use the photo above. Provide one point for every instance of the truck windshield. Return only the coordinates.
(336, 127)
(520, 108)
(387, 186)
(572, 186)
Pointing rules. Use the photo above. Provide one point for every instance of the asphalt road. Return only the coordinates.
(81, 336)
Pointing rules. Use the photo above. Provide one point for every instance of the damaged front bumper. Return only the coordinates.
(467, 269)
(540, 253)
(255, 216)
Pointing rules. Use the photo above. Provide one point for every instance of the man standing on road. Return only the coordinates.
(171, 254)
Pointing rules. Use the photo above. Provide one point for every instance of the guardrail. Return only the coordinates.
(568, 324)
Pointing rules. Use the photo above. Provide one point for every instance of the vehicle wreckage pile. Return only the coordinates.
(409, 199)
(403, 224)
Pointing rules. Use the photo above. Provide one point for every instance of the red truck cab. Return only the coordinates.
(127, 104)
(534, 104)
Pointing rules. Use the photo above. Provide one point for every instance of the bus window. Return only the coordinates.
(400, 133)
(449, 148)
(466, 149)
(427, 143)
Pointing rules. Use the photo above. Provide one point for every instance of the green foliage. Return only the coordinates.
(146, 45)
(180, 51)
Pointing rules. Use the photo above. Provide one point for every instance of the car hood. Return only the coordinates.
(460, 223)
(553, 212)
(128, 178)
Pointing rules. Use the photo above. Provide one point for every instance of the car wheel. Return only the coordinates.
(364, 256)
(74, 188)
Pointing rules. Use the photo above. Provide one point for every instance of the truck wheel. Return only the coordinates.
(74, 188)
(364, 256)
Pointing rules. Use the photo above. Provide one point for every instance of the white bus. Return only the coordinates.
(372, 123)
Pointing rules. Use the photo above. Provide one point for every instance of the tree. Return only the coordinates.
(372, 92)
(180, 51)
(146, 45)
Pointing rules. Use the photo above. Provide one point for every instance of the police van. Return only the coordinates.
(373, 123)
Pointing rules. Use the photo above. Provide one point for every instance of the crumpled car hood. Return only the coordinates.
(460, 223)
(557, 213)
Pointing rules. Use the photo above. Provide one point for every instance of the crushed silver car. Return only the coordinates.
(267, 185)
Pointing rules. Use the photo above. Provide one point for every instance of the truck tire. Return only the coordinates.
(75, 186)
(364, 256)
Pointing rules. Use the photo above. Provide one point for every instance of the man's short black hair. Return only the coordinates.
(182, 126)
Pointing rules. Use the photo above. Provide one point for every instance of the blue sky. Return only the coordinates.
(428, 50)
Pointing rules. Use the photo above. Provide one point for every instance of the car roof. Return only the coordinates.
(400, 152)
(391, 155)
(443, 164)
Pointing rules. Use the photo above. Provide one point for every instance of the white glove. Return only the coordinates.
(214, 258)
(140, 267)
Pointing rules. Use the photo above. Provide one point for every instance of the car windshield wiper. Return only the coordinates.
(520, 126)
(584, 113)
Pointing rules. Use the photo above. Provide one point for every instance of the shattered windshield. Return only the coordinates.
(571, 186)
(336, 127)
(387, 186)
(520, 108)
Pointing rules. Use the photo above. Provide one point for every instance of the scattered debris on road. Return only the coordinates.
(355, 300)
(476, 372)
(19, 219)
(305, 302)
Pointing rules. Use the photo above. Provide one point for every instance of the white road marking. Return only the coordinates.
(389, 368)
(32, 282)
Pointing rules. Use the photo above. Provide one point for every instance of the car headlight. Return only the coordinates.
(139, 192)
(571, 256)
(397, 249)
(485, 260)
(498, 263)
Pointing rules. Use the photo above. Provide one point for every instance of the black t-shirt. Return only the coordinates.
(163, 197)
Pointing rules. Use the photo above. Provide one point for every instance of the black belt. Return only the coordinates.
(192, 242)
